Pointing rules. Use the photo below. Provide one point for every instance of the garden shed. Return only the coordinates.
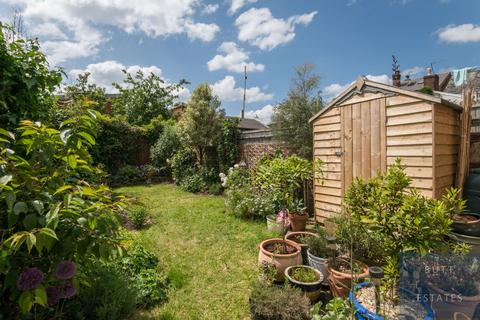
(369, 125)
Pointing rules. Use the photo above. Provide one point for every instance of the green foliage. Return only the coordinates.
(318, 245)
(183, 164)
(403, 219)
(145, 98)
(283, 179)
(51, 212)
(201, 124)
(274, 303)
(138, 215)
(336, 309)
(165, 148)
(306, 275)
(120, 143)
(290, 122)
(228, 150)
(27, 83)
(243, 198)
(127, 175)
(193, 183)
(215, 188)
(426, 90)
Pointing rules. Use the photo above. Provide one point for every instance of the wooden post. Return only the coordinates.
(464, 148)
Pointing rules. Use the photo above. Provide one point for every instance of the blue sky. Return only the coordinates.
(208, 41)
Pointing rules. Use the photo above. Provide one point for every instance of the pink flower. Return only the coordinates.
(282, 216)
(65, 270)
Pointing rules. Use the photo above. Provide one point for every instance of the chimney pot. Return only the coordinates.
(396, 79)
(431, 80)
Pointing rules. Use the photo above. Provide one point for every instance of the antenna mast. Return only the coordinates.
(244, 91)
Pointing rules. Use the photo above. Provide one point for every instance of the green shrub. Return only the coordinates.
(136, 259)
(336, 309)
(137, 214)
(151, 287)
(128, 174)
(183, 164)
(164, 149)
(274, 303)
(318, 245)
(193, 183)
(215, 188)
(111, 295)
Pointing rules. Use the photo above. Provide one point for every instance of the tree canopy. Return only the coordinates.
(290, 119)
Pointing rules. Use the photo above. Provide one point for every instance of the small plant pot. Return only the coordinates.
(298, 222)
(340, 281)
(467, 224)
(363, 313)
(273, 225)
(321, 264)
(311, 289)
(281, 261)
(296, 236)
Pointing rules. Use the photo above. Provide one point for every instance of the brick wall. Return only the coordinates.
(255, 144)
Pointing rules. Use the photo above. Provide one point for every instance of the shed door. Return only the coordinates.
(364, 140)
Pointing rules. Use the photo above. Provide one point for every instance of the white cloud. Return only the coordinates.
(460, 34)
(235, 5)
(234, 60)
(105, 73)
(225, 89)
(260, 28)
(264, 115)
(413, 71)
(210, 8)
(49, 30)
(334, 89)
(80, 20)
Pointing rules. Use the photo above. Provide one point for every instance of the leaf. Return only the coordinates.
(20, 207)
(31, 241)
(48, 232)
(38, 206)
(6, 179)
(72, 161)
(30, 221)
(87, 137)
(64, 135)
(10, 198)
(41, 296)
(25, 302)
(63, 188)
(7, 134)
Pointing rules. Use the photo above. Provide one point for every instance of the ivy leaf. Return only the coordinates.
(20, 207)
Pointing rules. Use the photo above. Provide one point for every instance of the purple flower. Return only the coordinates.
(54, 294)
(68, 290)
(65, 270)
(281, 216)
(29, 279)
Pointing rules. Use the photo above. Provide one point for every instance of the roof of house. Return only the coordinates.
(250, 124)
(364, 85)
(417, 84)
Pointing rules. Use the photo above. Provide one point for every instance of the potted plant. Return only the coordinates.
(464, 223)
(302, 238)
(342, 272)
(317, 254)
(281, 253)
(275, 222)
(297, 215)
(307, 279)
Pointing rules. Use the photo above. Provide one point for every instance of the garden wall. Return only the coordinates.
(255, 144)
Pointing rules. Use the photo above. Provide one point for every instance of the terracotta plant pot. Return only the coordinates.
(298, 222)
(281, 261)
(341, 282)
(467, 224)
(295, 237)
(311, 289)
(273, 225)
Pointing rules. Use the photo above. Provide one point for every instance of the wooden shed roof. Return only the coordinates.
(364, 85)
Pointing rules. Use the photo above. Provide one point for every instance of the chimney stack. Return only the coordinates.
(431, 80)
(397, 78)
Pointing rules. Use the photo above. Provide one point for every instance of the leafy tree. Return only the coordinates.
(201, 124)
(227, 149)
(164, 149)
(83, 90)
(27, 83)
(290, 119)
(143, 98)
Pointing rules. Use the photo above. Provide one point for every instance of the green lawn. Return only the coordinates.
(210, 256)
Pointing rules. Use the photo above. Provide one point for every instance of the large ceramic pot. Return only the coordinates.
(311, 289)
(445, 308)
(467, 224)
(321, 264)
(269, 255)
(297, 238)
(298, 222)
(363, 313)
(474, 242)
(340, 281)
